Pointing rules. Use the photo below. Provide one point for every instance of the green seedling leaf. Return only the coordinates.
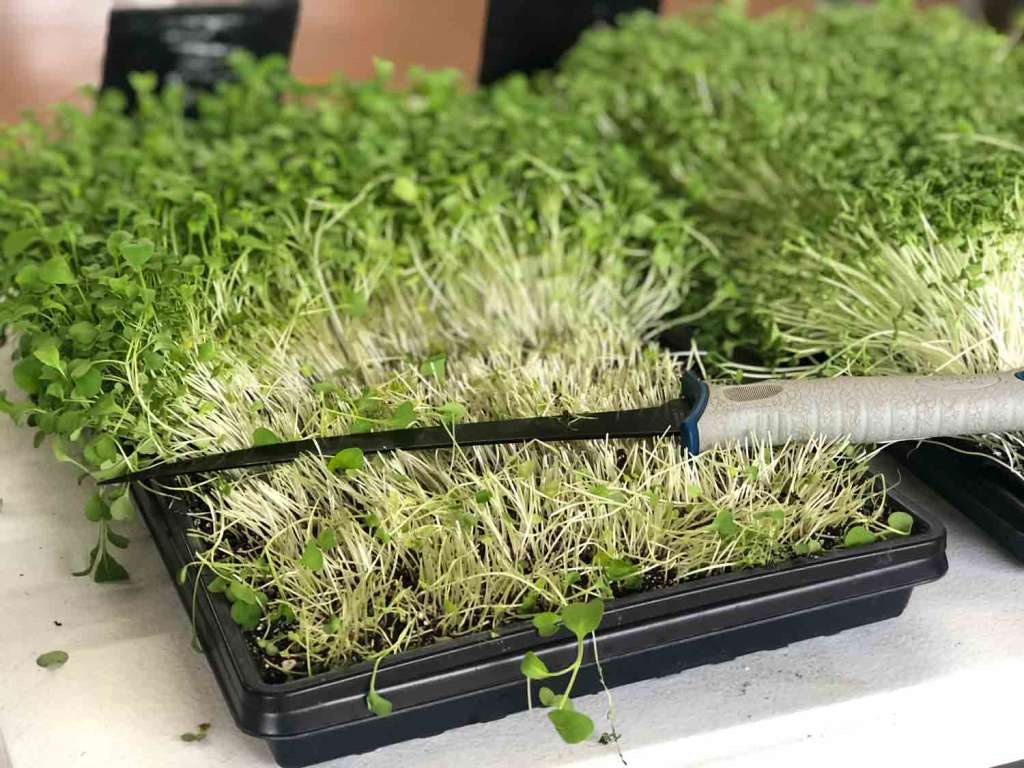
(28, 276)
(359, 427)
(452, 412)
(377, 704)
(92, 561)
(119, 541)
(48, 356)
(285, 613)
(206, 352)
(405, 414)
(198, 735)
(104, 448)
(17, 241)
(333, 625)
(525, 469)
(434, 367)
(405, 189)
(811, 547)
(55, 271)
(109, 570)
(217, 584)
(354, 304)
(243, 593)
(483, 496)
(326, 539)
(775, 516)
(546, 623)
(137, 254)
(583, 618)
(88, 385)
(617, 497)
(83, 333)
(547, 697)
(26, 375)
(900, 521)
(533, 668)
(245, 615)
(263, 436)
(52, 659)
(616, 569)
(122, 508)
(96, 509)
(725, 525)
(60, 449)
(347, 459)
(312, 557)
(572, 726)
(858, 536)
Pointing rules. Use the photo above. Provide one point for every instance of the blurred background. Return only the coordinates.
(52, 46)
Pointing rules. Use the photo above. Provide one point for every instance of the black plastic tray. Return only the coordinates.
(986, 492)
(477, 678)
(189, 42)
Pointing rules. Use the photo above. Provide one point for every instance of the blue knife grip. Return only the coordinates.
(696, 394)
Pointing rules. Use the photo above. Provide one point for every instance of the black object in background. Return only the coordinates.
(983, 490)
(189, 44)
(528, 35)
(1000, 13)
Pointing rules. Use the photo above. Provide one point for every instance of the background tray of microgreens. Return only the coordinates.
(982, 486)
(844, 236)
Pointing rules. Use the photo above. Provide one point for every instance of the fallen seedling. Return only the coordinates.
(52, 659)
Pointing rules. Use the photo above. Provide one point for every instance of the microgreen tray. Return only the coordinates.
(477, 678)
(986, 492)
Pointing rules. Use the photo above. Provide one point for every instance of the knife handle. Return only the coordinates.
(863, 409)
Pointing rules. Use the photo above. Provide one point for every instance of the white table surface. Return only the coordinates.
(939, 686)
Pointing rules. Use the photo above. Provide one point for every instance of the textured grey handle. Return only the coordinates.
(864, 409)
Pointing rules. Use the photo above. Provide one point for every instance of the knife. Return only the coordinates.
(862, 409)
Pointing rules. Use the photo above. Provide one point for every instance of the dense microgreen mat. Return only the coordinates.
(305, 260)
(790, 133)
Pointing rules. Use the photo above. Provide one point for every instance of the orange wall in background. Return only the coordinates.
(49, 47)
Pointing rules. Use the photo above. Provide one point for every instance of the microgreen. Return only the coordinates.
(197, 735)
(264, 436)
(900, 522)
(347, 460)
(376, 703)
(581, 619)
(546, 624)
(434, 367)
(312, 557)
(52, 659)
(858, 536)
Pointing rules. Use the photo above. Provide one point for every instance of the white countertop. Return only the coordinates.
(938, 686)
